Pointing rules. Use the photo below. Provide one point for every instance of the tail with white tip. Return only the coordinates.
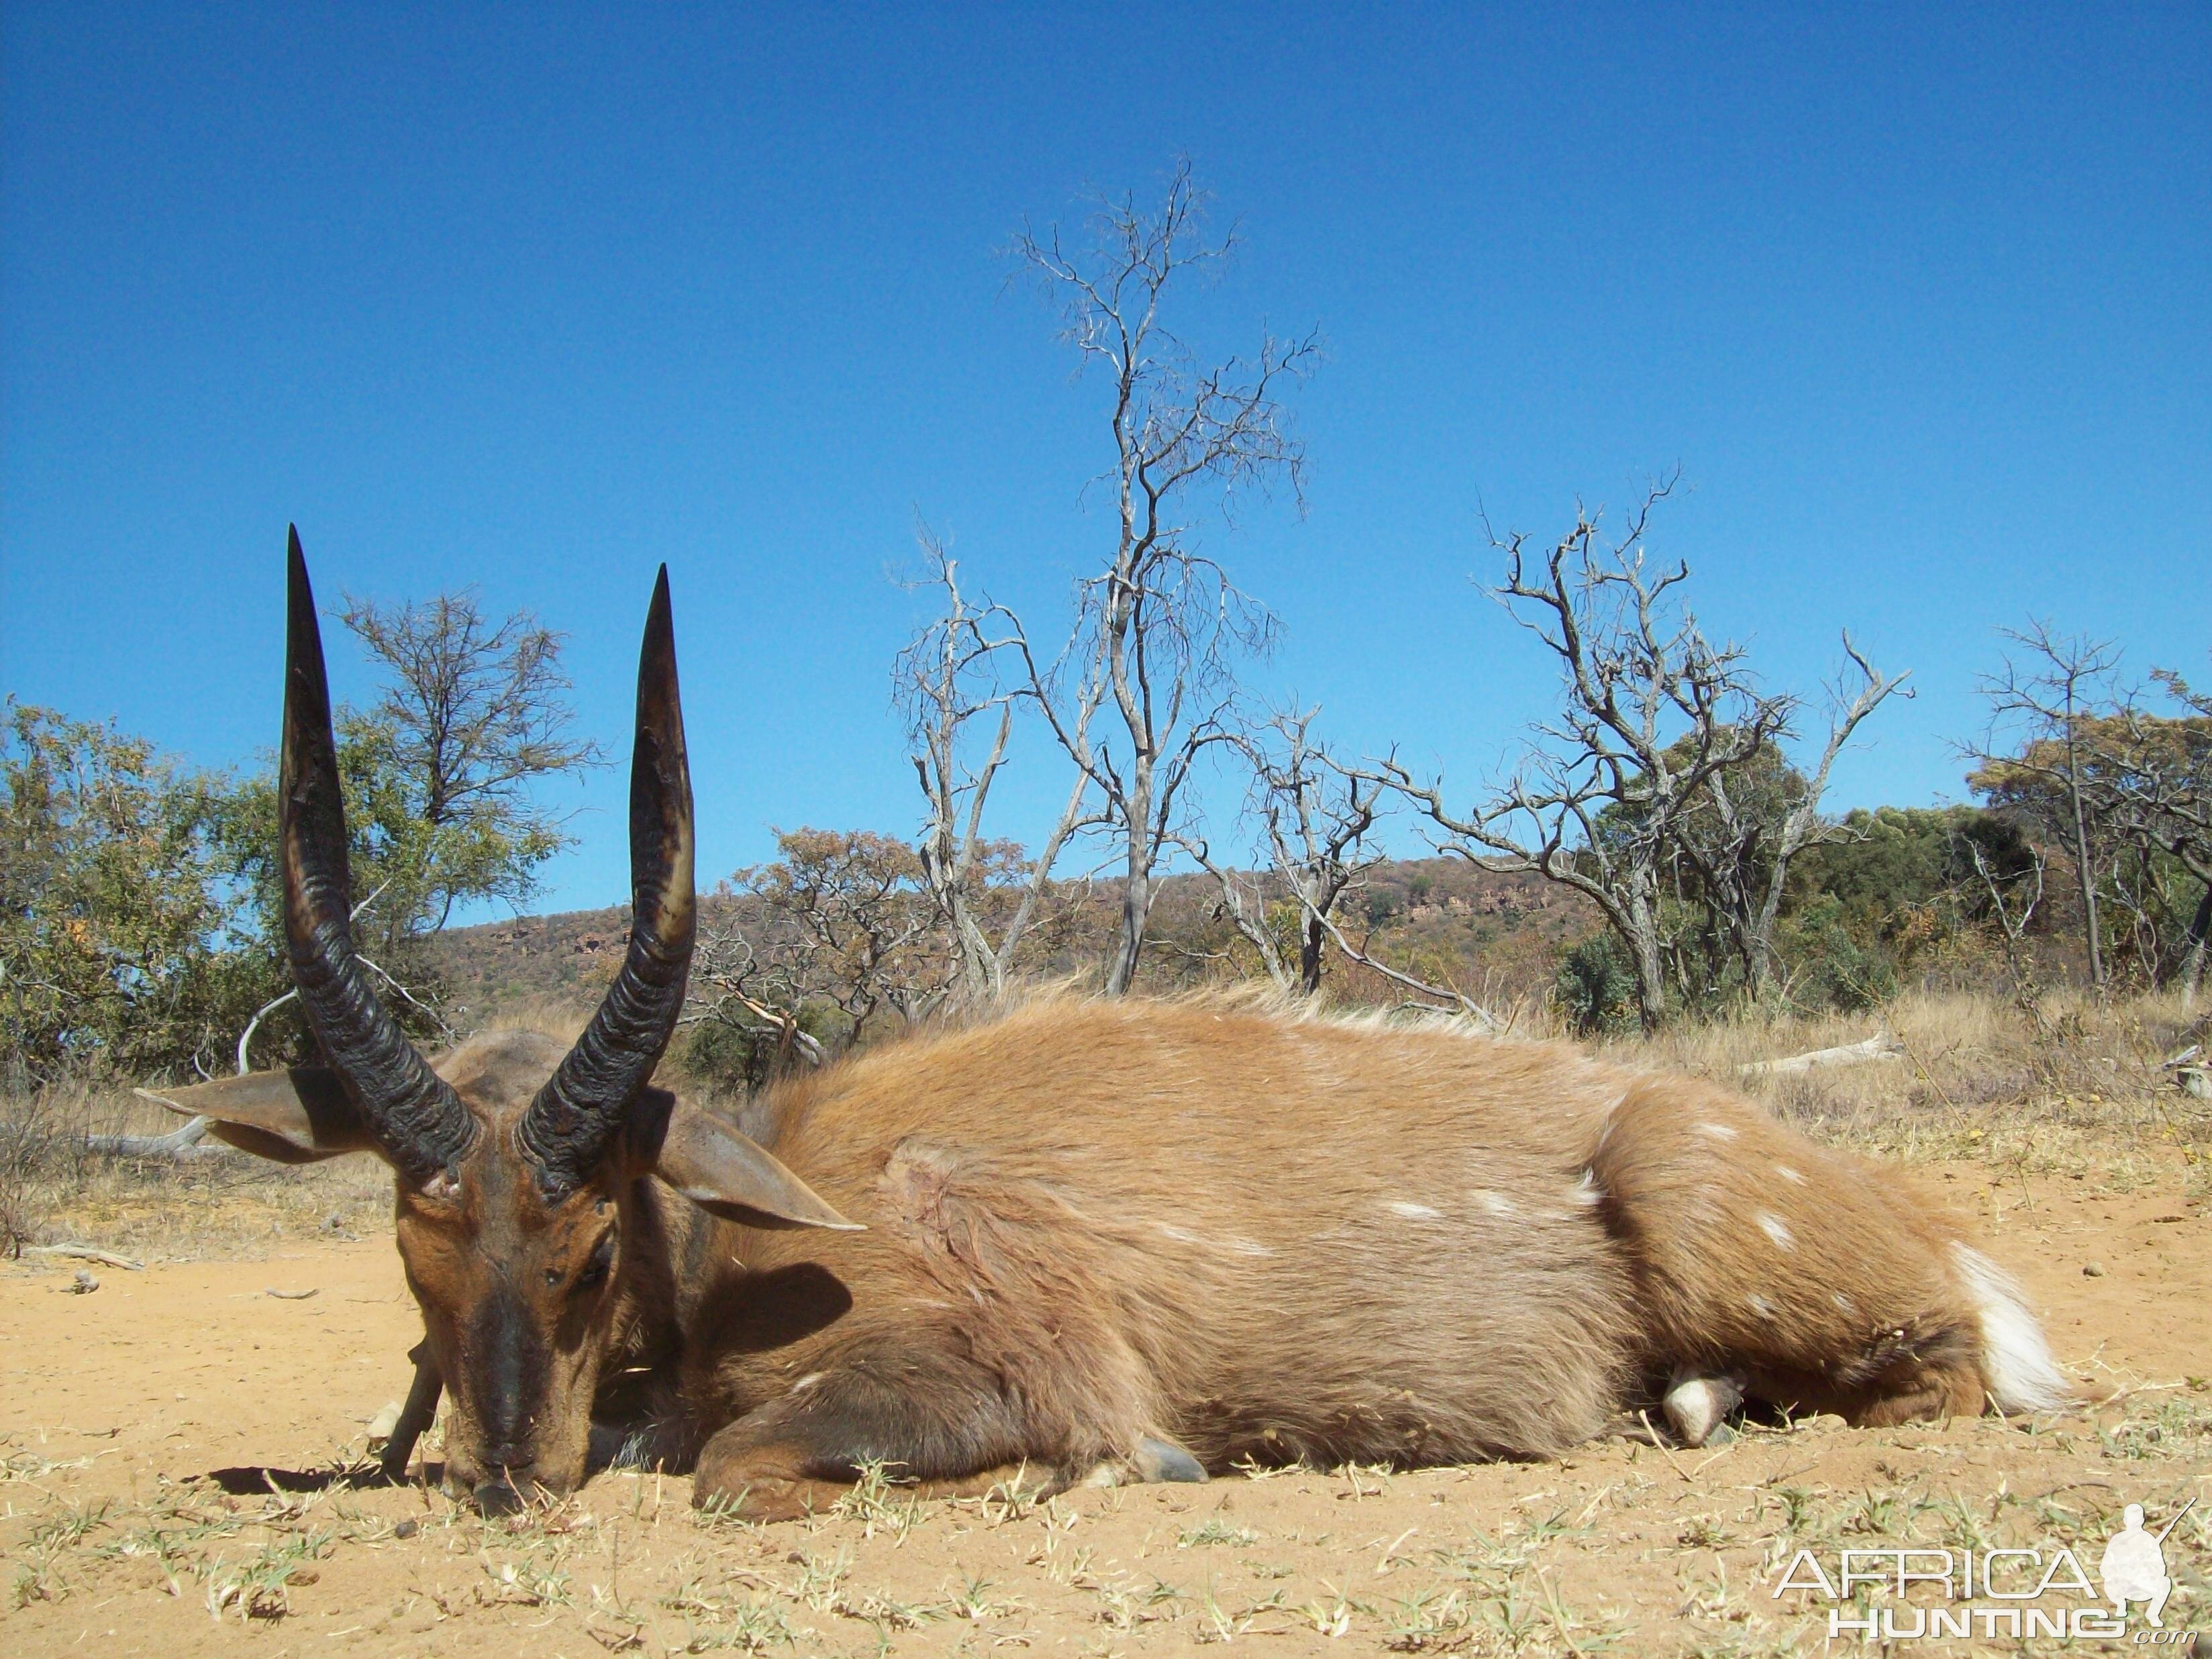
(2016, 1361)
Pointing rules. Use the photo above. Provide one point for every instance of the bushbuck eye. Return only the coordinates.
(595, 1271)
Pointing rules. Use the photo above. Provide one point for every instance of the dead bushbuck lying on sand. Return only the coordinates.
(1117, 1239)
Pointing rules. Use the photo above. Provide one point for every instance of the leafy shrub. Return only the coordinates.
(1595, 987)
(1828, 963)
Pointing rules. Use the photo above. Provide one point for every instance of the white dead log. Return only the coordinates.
(179, 1144)
(87, 1253)
(1881, 1047)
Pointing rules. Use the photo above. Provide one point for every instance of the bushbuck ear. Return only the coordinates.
(723, 1172)
(296, 1116)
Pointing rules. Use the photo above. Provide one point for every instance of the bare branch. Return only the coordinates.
(1159, 627)
(1646, 783)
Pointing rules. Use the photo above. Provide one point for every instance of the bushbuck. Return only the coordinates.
(1099, 1239)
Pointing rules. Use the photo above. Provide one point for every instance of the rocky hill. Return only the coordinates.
(1441, 917)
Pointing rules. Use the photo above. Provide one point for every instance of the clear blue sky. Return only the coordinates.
(536, 297)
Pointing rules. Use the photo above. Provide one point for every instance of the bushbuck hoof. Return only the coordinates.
(1697, 1407)
(1162, 1461)
(766, 1498)
(1154, 1462)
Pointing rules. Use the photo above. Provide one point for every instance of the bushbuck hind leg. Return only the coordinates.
(1906, 1375)
(1818, 1282)
(1697, 1406)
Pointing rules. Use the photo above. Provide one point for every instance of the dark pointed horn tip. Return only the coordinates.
(657, 653)
(299, 591)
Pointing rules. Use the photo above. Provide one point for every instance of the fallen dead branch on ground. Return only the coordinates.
(87, 1253)
(1881, 1047)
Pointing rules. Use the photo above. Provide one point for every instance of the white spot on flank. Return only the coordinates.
(1497, 1203)
(1788, 1174)
(1414, 1211)
(1240, 1246)
(1586, 1190)
(806, 1383)
(1772, 1227)
(1840, 1300)
(1760, 1305)
(1718, 1131)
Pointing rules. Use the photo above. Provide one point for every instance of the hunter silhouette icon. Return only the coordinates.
(2134, 1565)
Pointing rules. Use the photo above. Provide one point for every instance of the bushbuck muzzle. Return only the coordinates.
(517, 1160)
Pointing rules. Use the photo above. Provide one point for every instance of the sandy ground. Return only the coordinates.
(170, 1439)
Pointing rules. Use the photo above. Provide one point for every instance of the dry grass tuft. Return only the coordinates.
(2073, 1087)
(53, 1190)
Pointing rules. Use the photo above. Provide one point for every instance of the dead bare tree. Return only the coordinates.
(1739, 844)
(949, 688)
(2144, 781)
(2039, 709)
(1159, 626)
(1312, 816)
(2011, 904)
(1654, 722)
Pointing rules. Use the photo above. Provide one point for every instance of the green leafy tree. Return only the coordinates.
(441, 774)
(472, 718)
(1595, 987)
(120, 918)
(2126, 793)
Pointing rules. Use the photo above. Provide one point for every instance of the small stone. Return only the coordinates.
(2093, 1270)
(382, 1426)
(406, 1529)
(83, 1284)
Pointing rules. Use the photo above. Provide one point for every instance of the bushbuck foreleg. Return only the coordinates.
(921, 1417)
(416, 1415)
(953, 1428)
